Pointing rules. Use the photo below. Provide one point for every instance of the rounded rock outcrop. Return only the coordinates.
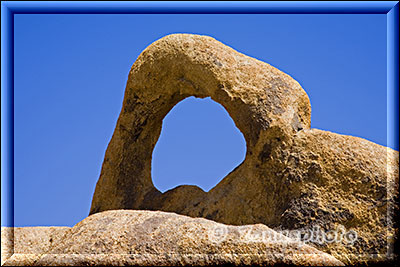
(153, 238)
(293, 177)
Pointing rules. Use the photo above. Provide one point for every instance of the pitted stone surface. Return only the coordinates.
(292, 177)
(25, 244)
(154, 238)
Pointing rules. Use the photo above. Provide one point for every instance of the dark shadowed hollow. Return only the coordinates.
(199, 145)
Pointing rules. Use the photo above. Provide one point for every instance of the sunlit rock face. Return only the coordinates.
(293, 177)
(156, 238)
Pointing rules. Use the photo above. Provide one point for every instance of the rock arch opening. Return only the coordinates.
(199, 145)
(267, 106)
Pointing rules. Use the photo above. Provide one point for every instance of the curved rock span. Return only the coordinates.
(292, 178)
(150, 238)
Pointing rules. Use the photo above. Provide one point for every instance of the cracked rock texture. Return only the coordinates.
(293, 177)
(132, 237)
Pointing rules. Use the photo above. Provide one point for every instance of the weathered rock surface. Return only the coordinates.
(293, 177)
(27, 243)
(131, 237)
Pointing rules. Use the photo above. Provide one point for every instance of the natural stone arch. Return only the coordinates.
(293, 177)
(261, 100)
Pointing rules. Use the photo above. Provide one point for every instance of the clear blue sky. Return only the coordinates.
(70, 75)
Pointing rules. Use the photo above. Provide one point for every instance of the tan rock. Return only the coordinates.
(128, 237)
(293, 177)
(27, 243)
(260, 99)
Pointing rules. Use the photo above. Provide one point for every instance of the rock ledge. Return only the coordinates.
(128, 237)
